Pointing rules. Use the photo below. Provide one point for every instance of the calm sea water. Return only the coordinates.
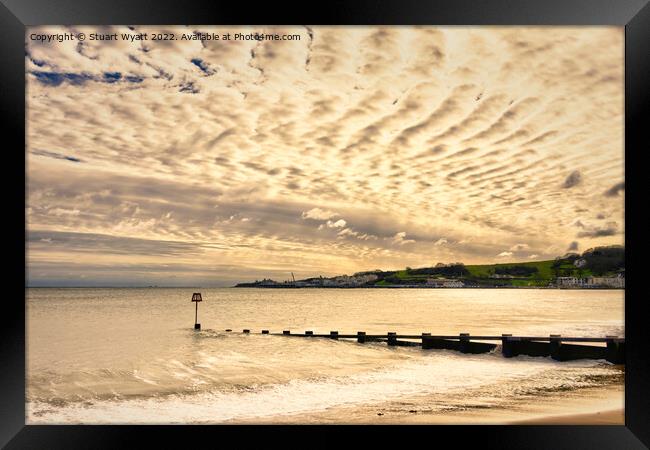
(132, 356)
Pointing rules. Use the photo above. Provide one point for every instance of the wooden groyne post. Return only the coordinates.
(557, 347)
(506, 346)
(615, 350)
(516, 345)
(467, 346)
(462, 343)
(555, 342)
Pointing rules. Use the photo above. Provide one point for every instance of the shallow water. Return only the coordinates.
(131, 355)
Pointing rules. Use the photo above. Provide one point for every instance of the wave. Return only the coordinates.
(449, 379)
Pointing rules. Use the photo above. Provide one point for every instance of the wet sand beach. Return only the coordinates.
(598, 406)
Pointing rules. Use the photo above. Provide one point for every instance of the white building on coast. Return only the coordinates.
(613, 282)
(591, 282)
(349, 281)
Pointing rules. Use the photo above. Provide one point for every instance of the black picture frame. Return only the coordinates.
(15, 15)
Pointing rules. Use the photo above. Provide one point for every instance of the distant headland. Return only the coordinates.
(600, 267)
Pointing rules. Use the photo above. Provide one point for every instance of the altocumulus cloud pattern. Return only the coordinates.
(351, 148)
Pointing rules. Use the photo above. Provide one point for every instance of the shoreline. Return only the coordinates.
(589, 406)
(415, 286)
(605, 417)
(332, 287)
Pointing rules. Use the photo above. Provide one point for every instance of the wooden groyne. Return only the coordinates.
(560, 348)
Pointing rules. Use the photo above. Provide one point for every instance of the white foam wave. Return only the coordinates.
(442, 373)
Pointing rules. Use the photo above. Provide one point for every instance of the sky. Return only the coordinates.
(210, 162)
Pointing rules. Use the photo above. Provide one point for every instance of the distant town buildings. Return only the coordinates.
(592, 282)
(614, 282)
(569, 281)
(349, 281)
(395, 280)
(365, 278)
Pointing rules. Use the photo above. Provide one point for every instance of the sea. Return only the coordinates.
(132, 356)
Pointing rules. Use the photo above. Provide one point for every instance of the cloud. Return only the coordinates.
(533, 256)
(519, 247)
(377, 136)
(318, 214)
(590, 230)
(573, 246)
(347, 232)
(614, 190)
(56, 155)
(400, 238)
(504, 254)
(56, 78)
(574, 179)
(63, 212)
(595, 232)
(578, 223)
(203, 66)
(338, 224)
(89, 243)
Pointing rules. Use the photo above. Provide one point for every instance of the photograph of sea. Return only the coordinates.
(325, 225)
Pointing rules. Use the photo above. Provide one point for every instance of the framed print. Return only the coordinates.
(405, 213)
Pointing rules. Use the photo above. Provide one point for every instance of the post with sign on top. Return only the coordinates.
(196, 298)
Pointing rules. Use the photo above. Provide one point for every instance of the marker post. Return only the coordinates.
(196, 298)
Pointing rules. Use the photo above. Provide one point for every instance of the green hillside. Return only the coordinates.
(600, 261)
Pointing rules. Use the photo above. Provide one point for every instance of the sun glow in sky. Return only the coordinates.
(353, 148)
